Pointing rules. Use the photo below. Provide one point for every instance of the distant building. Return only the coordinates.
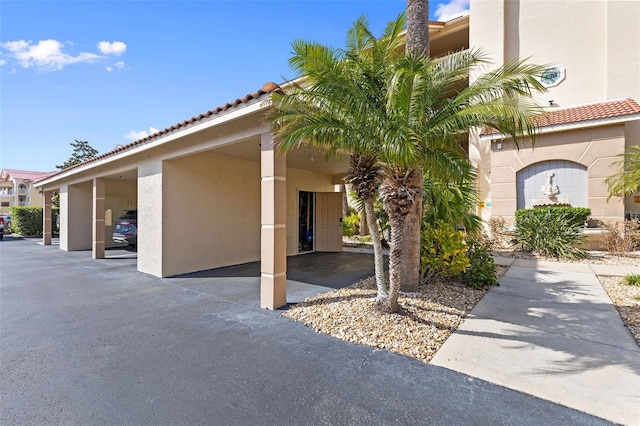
(16, 187)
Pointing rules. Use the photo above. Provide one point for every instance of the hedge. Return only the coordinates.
(27, 221)
(574, 215)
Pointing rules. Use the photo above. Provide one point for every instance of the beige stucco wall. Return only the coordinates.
(150, 208)
(597, 42)
(211, 213)
(595, 149)
(125, 189)
(301, 180)
(76, 210)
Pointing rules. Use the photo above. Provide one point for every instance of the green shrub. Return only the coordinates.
(574, 215)
(550, 235)
(442, 252)
(633, 280)
(482, 271)
(351, 225)
(26, 221)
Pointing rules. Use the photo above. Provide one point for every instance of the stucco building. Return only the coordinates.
(212, 191)
(593, 82)
(17, 188)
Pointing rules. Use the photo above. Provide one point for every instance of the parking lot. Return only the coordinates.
(89, 341)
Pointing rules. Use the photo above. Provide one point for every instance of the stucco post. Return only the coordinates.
(273, 251)
(97, 247)
(46, 218)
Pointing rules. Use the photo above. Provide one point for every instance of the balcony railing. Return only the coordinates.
(6, 192)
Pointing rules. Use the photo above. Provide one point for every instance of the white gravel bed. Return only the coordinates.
(626, 298)
(430, 316)
(433, 313)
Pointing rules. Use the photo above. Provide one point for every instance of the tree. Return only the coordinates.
(82, 152)
(627, 180)
(397, 114)
(332, 107)
(430, 108)
(418, 44)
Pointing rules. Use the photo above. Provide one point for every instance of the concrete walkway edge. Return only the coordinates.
(551, 331)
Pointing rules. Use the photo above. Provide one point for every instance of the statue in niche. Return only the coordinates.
(549, 189)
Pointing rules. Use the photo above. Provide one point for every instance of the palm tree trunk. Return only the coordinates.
(400, 190)
(390, 303)
(418, 27)
(417, 43)
(378, 258)
(412, 227)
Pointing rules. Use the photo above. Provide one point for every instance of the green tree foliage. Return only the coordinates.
(627, 181)
(329, 110)
(398, 115)
(82, 152)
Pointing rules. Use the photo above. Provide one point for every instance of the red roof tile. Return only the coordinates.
(583, 113)
(269, 87)
(25, 174)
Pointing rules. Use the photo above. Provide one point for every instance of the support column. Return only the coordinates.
(46, 217)
(97, 247)
(273, 257)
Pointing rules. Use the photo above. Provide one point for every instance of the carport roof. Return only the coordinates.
(267, 88)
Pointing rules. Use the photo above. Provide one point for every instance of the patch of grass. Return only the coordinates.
(633, 280)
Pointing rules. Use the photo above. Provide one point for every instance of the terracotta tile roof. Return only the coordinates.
(25, 174)
(583, 113)
(267, 88)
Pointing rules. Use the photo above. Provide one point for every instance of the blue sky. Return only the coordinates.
(109, 72)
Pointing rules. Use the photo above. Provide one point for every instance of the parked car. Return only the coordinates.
(125, 229)
(1, 227)
(7, 224)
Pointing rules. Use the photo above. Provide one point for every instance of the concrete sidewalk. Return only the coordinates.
(551, 331)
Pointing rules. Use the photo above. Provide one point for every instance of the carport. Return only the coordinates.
(210, 192)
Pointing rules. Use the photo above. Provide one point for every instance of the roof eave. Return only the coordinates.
(235, 113)
(570, 126)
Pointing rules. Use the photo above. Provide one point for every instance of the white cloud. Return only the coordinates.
(451, 10)
(47, 55)
(2, 62)
(52, 55)
(112, 48)
(136, 135)
(119, 65)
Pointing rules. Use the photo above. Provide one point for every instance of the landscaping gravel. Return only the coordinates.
(434, 312)
(626, 298)
(431, 315)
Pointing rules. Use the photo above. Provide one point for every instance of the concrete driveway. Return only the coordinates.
(94, 342)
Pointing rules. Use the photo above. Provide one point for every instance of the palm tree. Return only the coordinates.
(627, 181)
(452, 199)
(429, 111)
(331, 108)
(417, 43)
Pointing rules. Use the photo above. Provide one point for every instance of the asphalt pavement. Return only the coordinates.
(86, 341)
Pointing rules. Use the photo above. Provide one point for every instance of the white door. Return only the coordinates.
(328, 221)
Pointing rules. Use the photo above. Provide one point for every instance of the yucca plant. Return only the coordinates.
(549, 236)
